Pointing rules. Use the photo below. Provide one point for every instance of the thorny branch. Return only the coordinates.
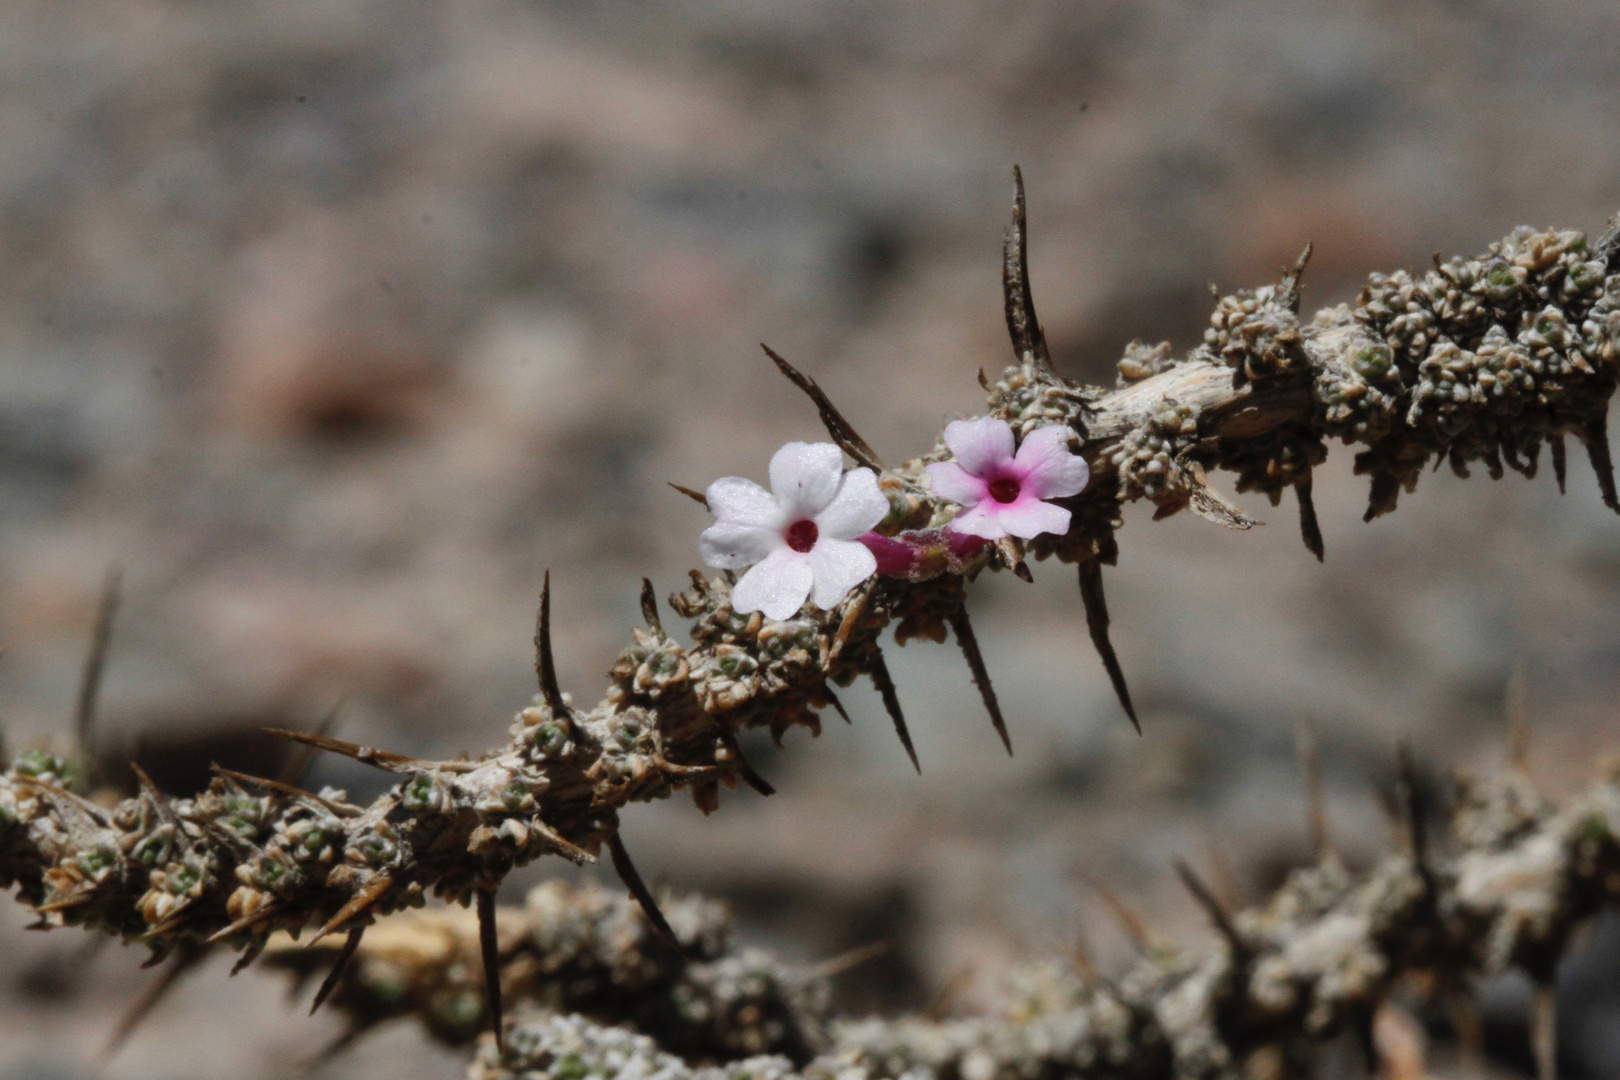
(1322, 956)
(1481, 359)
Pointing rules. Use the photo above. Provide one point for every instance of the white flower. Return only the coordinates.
(798, 538)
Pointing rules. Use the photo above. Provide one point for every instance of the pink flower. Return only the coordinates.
(799, 538)
(1001, 494)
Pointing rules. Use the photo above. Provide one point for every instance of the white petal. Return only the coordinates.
(980, 445)
(857, 507)
(736, 501)
(950, 481)
(804, 477)
(1049, 469)
(1029, 518)
(728, 546)
(778, 586)
(839, 566)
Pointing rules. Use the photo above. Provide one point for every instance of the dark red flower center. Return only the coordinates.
(801, 535)
(1005, 490)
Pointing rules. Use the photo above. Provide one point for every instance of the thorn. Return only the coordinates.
(159, 801)
(338, 808)
(745, 770)
(649, 607)
(981, 675)
(385, 760)
(1213, 907)
(1560, 459)
(854, 612)
(1291, 278)
(1225, 886)
(490, 951)
(1129, 920)
(341, 965)
(298, 763)
(95, 664)
(839, 428)
(1412, 809)
(638, 888)
(370, 894)
(696, 496)
(186, 956)
(1596, 437)
(1544, 1030)
(564, 847)
(544, 667)
(243, 923)
(1310, 769)
(838, 706)
(1028, 342)
(854, 958)
(1309, 530)
(1091, 593)
(1518, 717)
(891, 702)
(1012, 553)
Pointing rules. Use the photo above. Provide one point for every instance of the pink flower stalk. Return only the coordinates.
(1001, 494)
(921, 554)
(799, 538)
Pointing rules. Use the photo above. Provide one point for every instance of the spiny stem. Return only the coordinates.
(183, 960)
(1214, 908)
(891, 704)
(95, 664)
(1310, 770)
(1028, 340)
(649, 607)
(981, 674)
(545, 668)
(1309, 530)
(631, 877)
(340, 966)
(1091, 594)
(489, 949)
(840, 429)
(303, 755)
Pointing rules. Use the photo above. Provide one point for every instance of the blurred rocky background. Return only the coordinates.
(337, 322)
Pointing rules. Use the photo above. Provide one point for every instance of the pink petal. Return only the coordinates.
(839, 566)
(981, 445)
(982, 521)
(1049, 469)
(804, 477)
(1029, 518)
(778, 586)
(736, 501)
(950, 481)
(857, 507)
(728, 546)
